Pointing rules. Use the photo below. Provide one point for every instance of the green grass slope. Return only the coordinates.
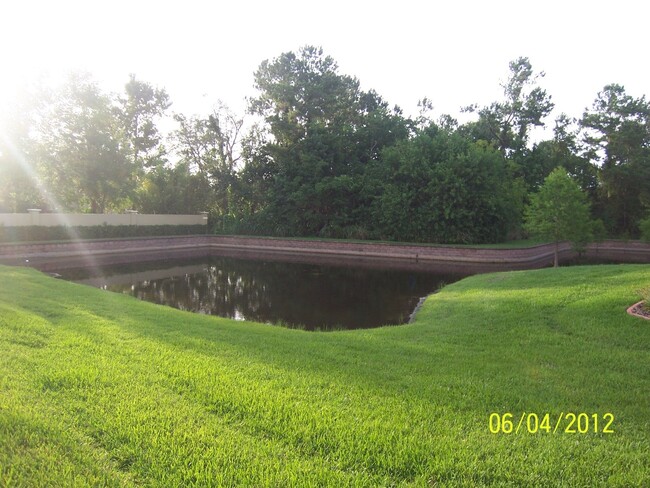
(99, 389)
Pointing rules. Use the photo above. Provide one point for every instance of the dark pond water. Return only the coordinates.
(309, 296)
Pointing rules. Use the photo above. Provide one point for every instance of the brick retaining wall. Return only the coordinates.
(179, 246)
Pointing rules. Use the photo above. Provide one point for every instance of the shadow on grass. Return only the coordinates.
(483, 339)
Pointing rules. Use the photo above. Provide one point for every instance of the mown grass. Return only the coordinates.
(99, 389)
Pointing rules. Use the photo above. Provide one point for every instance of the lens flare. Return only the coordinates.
(28, 170)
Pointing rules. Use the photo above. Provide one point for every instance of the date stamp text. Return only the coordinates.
(547, 423)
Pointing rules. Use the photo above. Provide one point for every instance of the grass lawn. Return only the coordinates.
(99, 389)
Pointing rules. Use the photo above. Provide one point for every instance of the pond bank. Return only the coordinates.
(408, 256)
(104, 389)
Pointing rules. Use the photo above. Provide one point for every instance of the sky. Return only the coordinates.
(454, 53)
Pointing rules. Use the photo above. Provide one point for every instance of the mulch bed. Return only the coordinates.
(638, 310)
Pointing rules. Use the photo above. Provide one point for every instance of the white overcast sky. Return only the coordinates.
(454, 53)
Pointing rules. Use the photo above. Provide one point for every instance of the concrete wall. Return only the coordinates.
(83, 220)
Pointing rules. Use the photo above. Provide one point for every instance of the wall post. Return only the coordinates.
(35, 215)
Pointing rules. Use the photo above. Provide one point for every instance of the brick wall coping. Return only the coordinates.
(543, 253)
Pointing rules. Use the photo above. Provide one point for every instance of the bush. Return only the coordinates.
(64, 233)
(644, 225)
(598, 230)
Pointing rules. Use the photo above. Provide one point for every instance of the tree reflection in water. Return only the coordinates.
(310, 296)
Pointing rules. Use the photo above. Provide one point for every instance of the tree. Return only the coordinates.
(617, 133)
(561, 150)
(226, 128)
(81, 149)
(441, 187)
(323, 132)
(256, 176)
(560, 211)
(211, 147)
(138, 111)
(18, 178)
(507, 124)
(174, 190)
(644, 225)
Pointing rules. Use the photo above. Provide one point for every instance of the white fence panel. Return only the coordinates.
(34, 217)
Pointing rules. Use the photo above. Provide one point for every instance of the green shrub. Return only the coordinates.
(644, 225)
(598, 230)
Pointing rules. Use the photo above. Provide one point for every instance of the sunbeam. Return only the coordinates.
(28, 170)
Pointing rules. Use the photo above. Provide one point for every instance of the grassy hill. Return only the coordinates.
(99, 389)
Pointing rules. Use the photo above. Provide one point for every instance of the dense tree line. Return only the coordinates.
(318, 156)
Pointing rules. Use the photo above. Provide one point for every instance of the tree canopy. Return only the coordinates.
(81, 154)
(317, 155)
(617, 136)
(324, 131)
(559, 211)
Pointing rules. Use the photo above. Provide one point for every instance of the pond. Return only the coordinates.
(294, 294)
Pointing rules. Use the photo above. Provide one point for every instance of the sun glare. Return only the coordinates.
(47, 195)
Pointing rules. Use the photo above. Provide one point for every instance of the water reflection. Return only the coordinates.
(312, 296)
